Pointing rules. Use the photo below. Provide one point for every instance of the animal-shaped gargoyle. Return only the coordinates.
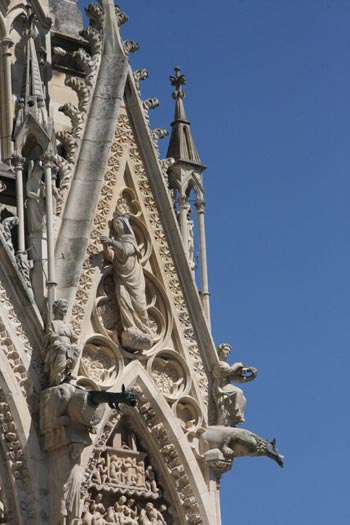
(126, 397)
(227, 443)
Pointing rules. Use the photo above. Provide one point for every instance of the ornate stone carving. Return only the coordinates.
(6, 227)
(220, 445)
(140, 74)
(159, 133)
(124, 138)
(60, 354)
(129, 283)
(121, 17)
(123, 484)
(171, 459)
(68, 413)
(82, 90)
(123, 511)
(130, 46)
(229, 399)
(170, 373)
(18, 467)
(76, 117)
(150, 103)
(9, 320)
(101, 362)
(35, 198)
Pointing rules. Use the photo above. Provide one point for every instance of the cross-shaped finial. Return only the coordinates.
(178, 81)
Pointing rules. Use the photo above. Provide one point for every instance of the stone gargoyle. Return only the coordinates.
(220, 443)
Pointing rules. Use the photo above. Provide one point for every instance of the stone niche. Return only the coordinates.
(124, 484)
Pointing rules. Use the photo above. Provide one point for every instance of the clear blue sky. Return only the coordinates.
(268, 97)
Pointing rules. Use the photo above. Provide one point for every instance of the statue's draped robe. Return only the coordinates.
(130, 287)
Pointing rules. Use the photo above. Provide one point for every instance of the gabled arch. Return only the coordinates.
(159, 431)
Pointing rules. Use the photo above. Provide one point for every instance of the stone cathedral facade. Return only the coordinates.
(116, 406)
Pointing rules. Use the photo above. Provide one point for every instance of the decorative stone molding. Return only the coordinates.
(9, 318)
(171, 459)
(18, 467)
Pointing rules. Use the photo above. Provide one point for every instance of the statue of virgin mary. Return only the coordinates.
(129, 283)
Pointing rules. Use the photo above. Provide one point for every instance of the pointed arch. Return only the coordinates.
(161, 434)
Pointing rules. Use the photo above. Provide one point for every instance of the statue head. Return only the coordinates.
(60, 308)
(121, 225)
(224, 351)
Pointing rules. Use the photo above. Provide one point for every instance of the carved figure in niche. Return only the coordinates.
(61, 354)
(115, 470)
(100, 474)
(35, 197)
(151, 483)
(132, 509)
(151, 516)
(230, 400)
(129, 282)
(87, 516)
(110, 516)
(98, 511)
(72, 497)
(190, 227)
(140, 474)
(124, 514)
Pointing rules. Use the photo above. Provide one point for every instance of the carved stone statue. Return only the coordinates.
(230, 400)
(219, 442)
(129, 281)
(61, 354)
(190, 226)
(151, 516)
(35, 197)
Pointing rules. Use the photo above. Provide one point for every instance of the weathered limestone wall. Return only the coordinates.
(68, 17)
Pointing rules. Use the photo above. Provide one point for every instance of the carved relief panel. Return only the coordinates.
(124, 487)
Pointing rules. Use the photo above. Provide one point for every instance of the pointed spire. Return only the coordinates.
(181, 144)
(32, 89)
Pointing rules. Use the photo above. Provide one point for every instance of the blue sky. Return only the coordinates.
(268, 96)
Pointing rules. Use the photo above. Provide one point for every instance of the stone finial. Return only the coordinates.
(178, 81)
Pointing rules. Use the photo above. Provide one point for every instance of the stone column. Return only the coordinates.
(18, 162)
(200, 205)
(6, 106)
(48, 161)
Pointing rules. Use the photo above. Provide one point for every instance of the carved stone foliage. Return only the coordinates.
(105, 315)
(123, 485)
(89, 64)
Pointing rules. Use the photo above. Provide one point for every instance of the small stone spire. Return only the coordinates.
(185, 178)
(32, 89)
(32, 104)
(181, 144)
